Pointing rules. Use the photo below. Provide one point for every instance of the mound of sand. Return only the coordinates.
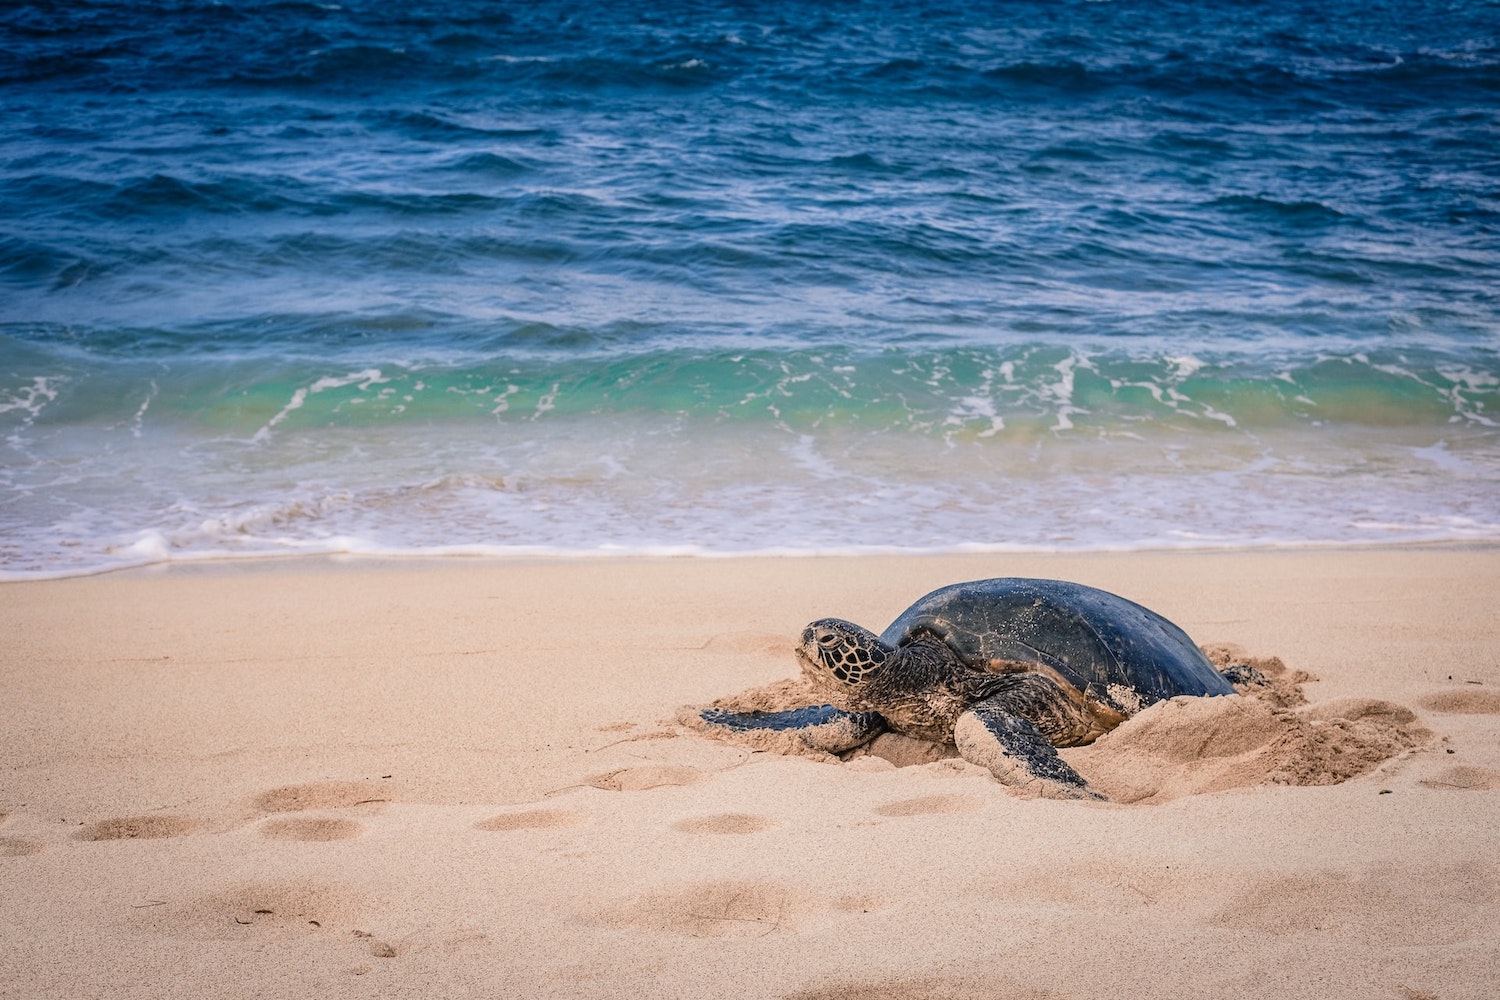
(1187, 746)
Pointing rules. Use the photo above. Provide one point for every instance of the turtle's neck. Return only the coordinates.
(920, 690)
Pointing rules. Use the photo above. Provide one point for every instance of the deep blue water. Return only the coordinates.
(718, 277)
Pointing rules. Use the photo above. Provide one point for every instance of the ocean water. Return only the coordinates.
(713, 277)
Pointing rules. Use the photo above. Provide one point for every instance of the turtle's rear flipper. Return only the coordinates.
(821, 727)
(1016, 753)
(1243, 676)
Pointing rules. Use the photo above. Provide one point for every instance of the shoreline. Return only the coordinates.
(229, 562)
(368, 773)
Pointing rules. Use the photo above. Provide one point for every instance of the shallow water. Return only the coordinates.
(465, 277)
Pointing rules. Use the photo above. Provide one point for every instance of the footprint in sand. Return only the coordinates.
(639, 779)
(916, 989)
(322, 795)
(310, 829)
(737, 908)
(1477, 779)
(1398, 907)
(724, 823)
(928, 805)
(859, 902)
(16, 847)
(139, 828)
(1463, 702)
(252, 908)
(731, 909)
(532, 819)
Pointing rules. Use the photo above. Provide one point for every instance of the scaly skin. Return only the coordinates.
(922, 688)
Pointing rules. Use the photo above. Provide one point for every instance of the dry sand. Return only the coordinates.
(356, 779)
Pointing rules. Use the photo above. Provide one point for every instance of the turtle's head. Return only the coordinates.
(840, 650)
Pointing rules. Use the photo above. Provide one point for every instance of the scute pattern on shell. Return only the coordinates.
(1114, 651)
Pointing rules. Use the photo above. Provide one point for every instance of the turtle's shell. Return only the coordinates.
(1111, 649)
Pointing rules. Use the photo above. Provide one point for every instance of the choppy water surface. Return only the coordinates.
(711, 277)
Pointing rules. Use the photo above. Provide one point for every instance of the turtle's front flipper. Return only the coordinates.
(821, 727)
(1016, 752)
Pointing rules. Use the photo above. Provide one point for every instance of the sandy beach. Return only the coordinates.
(466, 778)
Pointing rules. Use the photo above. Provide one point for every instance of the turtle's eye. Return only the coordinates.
(829, 639)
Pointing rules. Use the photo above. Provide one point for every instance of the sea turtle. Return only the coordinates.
(1005, 669)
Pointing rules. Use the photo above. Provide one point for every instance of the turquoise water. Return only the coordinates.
(701, 278)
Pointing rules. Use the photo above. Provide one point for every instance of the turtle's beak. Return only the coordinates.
(811, 666)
